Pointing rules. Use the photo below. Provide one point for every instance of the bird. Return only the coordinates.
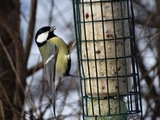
(55, 56)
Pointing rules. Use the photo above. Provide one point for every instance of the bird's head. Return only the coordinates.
(44, 34)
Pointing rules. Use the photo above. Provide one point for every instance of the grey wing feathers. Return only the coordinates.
(49, 63)
(49, 69)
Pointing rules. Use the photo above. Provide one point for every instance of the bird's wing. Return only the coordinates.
(49, 69)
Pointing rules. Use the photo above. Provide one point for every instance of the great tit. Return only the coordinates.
(55, 57)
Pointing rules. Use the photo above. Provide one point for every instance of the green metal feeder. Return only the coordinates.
(107, 59)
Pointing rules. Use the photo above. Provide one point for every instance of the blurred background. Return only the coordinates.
(24, 91)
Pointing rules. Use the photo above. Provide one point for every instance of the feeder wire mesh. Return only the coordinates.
(106, 50)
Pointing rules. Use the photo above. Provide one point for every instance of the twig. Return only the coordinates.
(51, 12)
(2, 116)
(11, 63)
(34, 69)
(30, 30)
(8, 101)
(19, 69)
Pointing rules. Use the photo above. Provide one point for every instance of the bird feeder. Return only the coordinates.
(107, 59)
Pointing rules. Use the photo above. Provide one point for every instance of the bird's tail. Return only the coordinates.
(54, 98)
(50, 75)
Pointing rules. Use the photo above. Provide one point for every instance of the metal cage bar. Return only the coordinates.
(106, 49)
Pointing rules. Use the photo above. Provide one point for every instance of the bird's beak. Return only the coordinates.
(52, 29)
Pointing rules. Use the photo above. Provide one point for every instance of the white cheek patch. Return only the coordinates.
(42, 37)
